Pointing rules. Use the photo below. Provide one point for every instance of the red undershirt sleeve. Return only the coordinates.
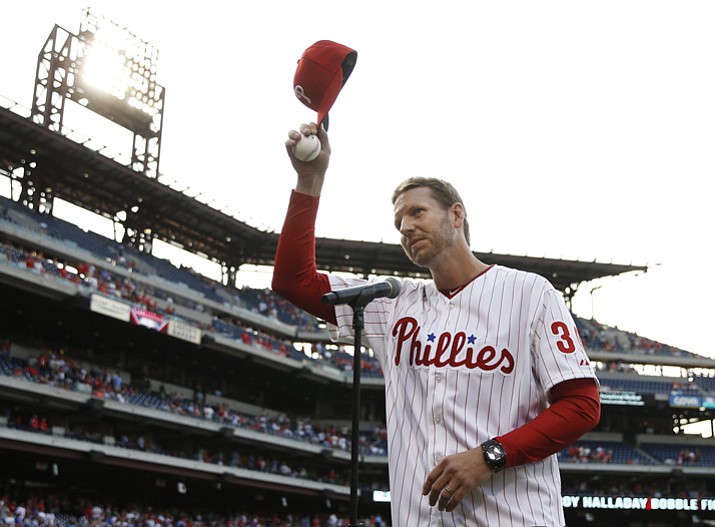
(575, 409)
(295, 275)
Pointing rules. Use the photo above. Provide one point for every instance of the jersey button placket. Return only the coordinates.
(438, 377)
(438, 381)
(436, 453)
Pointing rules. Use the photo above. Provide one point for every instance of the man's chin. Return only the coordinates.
(419, 262)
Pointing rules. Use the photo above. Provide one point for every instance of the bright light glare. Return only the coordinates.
(107, 71)
(118, 63)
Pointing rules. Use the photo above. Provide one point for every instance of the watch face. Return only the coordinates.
(494, 455)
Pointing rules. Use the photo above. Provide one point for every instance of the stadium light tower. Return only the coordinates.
(110, 71)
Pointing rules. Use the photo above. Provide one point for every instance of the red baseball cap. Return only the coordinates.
(322, 71)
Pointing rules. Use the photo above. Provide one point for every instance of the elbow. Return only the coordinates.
(285, 285)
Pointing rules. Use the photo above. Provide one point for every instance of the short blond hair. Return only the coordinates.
(441, 190)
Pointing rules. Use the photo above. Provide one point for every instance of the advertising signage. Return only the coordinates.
(619, 398)
(638, 503)
(685, 401)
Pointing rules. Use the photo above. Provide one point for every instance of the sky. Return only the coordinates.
(572, 129)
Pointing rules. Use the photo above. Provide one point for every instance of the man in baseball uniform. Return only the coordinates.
(485, 376)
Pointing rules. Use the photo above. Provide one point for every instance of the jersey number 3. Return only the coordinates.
(565, 343)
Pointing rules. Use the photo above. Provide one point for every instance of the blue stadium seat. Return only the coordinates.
(611, 452)
(682, 454)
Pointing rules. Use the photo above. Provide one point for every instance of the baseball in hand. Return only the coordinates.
(307, 148)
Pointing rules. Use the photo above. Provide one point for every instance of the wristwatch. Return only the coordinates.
(494, 455)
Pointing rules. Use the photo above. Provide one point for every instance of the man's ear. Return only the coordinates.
(457, 211)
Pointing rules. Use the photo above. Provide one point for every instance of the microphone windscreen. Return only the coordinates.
(395, 286)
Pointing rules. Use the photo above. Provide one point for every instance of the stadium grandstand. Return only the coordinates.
(135, 392)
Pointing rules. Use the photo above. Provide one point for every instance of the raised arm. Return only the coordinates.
(295, 275)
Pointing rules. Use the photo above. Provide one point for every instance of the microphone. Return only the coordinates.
(363, 294)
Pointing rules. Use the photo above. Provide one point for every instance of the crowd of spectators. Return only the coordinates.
(646, 453)
(689, 456)
(156, 300)
(60, 370)
(586, 454)
(599, 337)
(266, 303)
(146, 441)
(62, 511)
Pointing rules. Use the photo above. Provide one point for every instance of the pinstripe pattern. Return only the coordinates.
(461, 370)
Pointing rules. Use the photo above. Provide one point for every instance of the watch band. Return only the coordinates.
(494, 455)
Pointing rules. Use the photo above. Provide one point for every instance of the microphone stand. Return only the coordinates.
(358, 326)
(358, 298)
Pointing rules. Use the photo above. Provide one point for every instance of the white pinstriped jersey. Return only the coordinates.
(461, 370)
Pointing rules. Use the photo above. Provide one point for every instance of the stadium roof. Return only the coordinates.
(86, 178)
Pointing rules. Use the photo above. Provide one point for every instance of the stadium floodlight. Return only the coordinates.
(114, 61)
(109, 70)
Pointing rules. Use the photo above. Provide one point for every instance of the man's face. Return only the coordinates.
(426, 229)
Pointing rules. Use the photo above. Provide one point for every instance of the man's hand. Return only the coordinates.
(454, 477)
(310, 173)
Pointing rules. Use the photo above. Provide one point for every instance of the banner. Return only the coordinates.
(184, 331)
(108, 307)
(142, 317)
